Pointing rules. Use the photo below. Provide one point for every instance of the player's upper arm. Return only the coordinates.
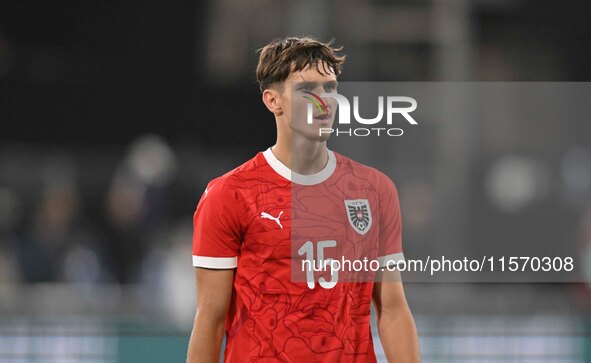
(214, 291)
(217, 227)
(388, 293)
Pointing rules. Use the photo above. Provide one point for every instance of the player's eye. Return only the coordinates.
(307, 88)
(330, 87)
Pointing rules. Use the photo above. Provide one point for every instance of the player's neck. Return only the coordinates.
(303, 157)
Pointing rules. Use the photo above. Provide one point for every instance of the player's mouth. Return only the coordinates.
(323, 118)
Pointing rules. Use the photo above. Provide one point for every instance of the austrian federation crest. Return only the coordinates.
(359, 215)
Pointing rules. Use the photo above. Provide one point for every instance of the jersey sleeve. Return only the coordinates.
(390, 239)
(217, 231)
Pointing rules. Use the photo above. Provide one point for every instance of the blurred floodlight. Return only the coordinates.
(152, 160)
(514, 182)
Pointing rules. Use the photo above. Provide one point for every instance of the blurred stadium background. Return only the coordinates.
(115, 114)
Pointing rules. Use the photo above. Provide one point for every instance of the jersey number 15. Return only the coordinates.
(319, 263)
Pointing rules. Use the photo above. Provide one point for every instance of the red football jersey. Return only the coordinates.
(265, 220)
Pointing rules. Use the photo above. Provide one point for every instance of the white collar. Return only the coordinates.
(302, 179)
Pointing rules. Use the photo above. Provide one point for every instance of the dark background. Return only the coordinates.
(102, 72)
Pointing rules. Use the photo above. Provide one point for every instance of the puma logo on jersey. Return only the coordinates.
(276, 219)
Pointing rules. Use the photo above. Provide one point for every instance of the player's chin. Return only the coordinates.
(319, 133)
(323, 136)
(324, 132)
(318, 137)
(314, 133)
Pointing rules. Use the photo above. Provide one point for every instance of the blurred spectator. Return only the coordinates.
(53, 224)
(584, 236)
(136, 204)
(9, 216)
(165, 272)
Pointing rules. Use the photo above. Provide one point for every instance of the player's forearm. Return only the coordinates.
(398, 335)
(206, 340)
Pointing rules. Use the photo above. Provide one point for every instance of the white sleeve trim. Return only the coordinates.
(395, 257)
(215, 262)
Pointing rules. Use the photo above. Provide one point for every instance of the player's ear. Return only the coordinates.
(272, 100)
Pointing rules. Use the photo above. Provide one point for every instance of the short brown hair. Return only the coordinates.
(281, 57)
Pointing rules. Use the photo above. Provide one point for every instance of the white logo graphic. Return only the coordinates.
(359, 215)
(401, 105)
(345, 107)
(276, 219)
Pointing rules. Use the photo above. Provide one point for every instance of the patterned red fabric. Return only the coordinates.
(278, 312)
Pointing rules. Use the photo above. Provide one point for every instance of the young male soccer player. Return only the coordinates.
(297, 198)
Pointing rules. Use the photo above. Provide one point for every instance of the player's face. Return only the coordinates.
(303, 88)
